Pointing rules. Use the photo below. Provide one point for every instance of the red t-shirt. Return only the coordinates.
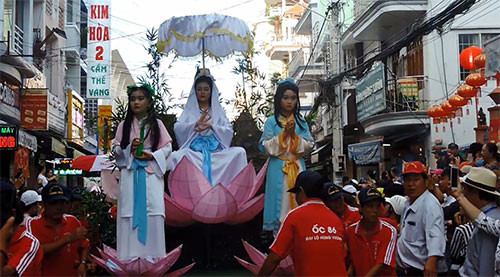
(380, 248)
(64, 261)
(351, 215)
(25, 253)
(314, 237)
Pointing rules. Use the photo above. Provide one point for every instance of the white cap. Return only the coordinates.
(350, 189)
(398, 203)
(30, 196)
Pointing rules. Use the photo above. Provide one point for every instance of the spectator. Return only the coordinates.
(474, 153)
(455, 155)
(334, 199)
(41, 179)
(76, 205)
(422, 243)
(443, 190)
(458, 244)
(345, 180)
(62, 237)
(21, 253)
(51, 178)
(490, 155)
(480, 191)
(371, 241)
(30, 201)
(395, 206)
(310, 233)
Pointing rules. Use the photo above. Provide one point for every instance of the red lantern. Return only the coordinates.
(467, 91)
(475, 79)
(480, 61)
(457, 101)
(467, 57)
(447, 107)
(430, 111)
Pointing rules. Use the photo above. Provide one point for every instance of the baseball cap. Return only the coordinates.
(76, 193)
(413, 167)
(310, 181)
(29, 197)
(331, 191)
(366, 195)
(53, 192)
(350, 189)
(398, 203)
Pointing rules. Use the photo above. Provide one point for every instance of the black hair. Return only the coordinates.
(280, 90)
(151, 119)
(205, 79)
(40, 168)
(345, 179)
(493, 149)
(483, 195)
(475, 148)
(446, 172)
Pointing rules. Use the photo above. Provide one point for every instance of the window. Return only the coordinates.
(466, 40)
(69, 11)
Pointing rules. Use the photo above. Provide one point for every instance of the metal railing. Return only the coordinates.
(61, 17)
(404, 94)
(49, 7)
(17, 40)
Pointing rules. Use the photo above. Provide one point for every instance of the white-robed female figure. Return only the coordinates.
(141, 148)
(204, 134)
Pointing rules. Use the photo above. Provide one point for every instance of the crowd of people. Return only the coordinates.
(40, 233)
(411, 224)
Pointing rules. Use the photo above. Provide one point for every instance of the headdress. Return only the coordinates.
(203, 72)
(140, 85)
(286, 80)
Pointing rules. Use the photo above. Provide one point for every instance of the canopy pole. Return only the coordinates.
(203, 51)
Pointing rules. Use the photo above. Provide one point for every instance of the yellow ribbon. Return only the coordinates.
(290, 165)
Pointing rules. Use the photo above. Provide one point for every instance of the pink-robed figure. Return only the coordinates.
(141, 209)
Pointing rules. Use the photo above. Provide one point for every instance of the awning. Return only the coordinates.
(365, 152)
(26, 69)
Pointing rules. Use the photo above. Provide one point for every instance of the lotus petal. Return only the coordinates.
(180, 272)
(110, 251)
(242, 184)
(255, 255)
(187, 184)
(137, 266)
(248, 211)
(173, 255)
(216, 206)
(259, 180)
(112, 270)
(251, 267)
(176, 215)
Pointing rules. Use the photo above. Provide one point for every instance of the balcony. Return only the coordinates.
(383, 19)
(405, 111)
(283, 47)
(17, 40)
(313, 72)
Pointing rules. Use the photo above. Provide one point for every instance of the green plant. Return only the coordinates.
(101, 227)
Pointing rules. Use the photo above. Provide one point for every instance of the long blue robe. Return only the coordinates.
(274, 175)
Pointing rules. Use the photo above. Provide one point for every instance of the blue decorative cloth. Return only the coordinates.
(274, 174)
(140, 217)
(205, 145)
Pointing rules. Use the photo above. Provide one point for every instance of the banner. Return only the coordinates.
(408, 87)
(365, 152)
(75, 117)
(21, 160)
(104, 113)
(99, 49)
(370, 93)
(34, 109)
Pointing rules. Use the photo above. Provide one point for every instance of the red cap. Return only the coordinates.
(413, 167)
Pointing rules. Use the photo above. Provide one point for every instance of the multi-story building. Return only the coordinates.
(392, 71)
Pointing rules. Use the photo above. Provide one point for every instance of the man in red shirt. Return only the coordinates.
(62, 237)
(334, 200)
(371, 241)
(310, 233)
(21, 253)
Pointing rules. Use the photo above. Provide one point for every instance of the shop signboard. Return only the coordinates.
(28, 141)
(104, 113)
(99, 49)
(57, 114)
(9, 101)
(370, 93)
(62, 166)
(75, 118)
(365, 152)
(58, 147)
(8, 137)
(34, 106)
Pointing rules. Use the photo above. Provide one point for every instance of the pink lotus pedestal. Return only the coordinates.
(285, 267)
(139, 266)
(192, 198)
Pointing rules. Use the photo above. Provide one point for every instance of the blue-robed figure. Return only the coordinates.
(286, 139)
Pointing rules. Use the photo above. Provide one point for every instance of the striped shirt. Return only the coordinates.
(458, 244)
(25, 253)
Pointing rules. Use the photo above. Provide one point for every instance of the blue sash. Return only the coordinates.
(205, 145)
(139, 218)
